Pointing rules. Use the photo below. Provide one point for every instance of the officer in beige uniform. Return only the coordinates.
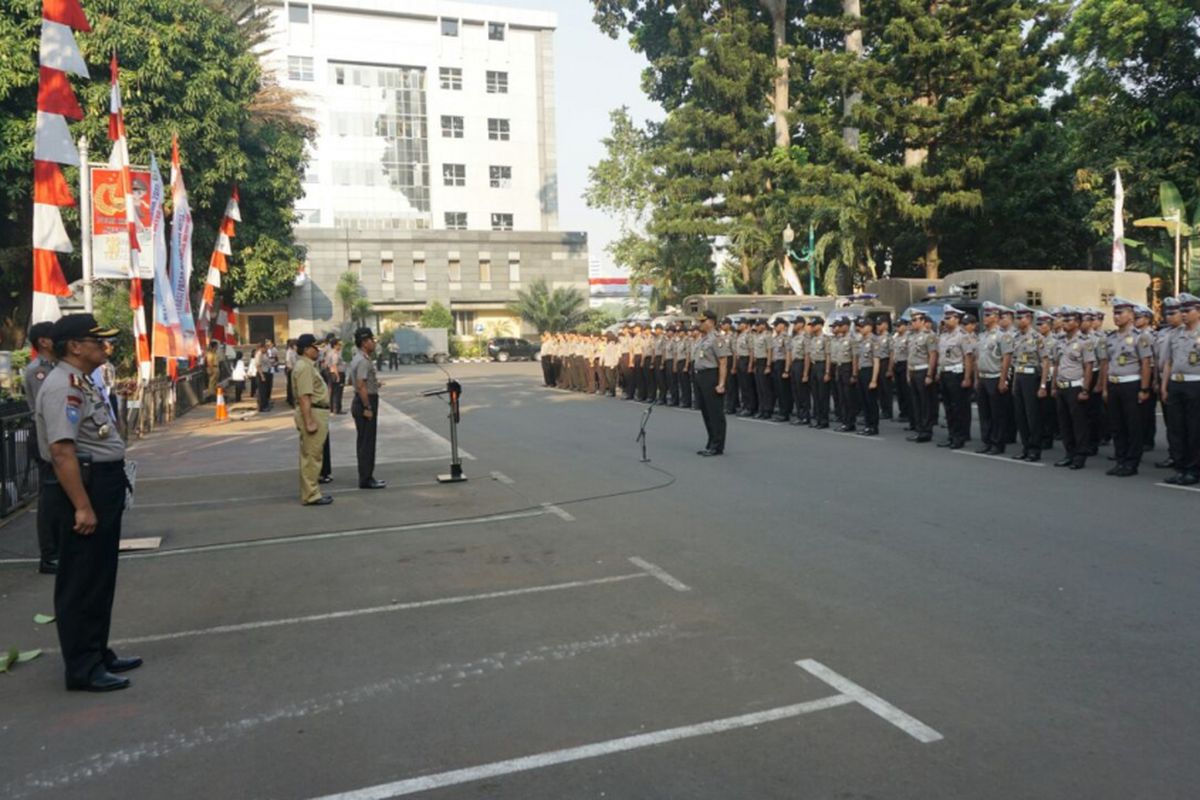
(1072, 359)
(1029, 366)
(364, 382)
(994, 360)
(86, 498)
(793, 371)
(1182, 393)
(760, 350)
(1172, 324)
(841, 364)
(41, 339)
(922, 374)
(710, 353)
(312, 420)
(954, 377)
(1126, 381)
(743, 357)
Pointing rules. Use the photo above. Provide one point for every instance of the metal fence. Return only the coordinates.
(18, 463)
(160, 401)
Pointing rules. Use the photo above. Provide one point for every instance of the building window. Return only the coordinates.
(496, 31)
(354, 265)
(339, 76)
(449, 27)
(502, 222)
(298, 12)
(497, 82)
(452, 127)
(500, 177)
(450, 78)
(456, 220)
(419, 271)
(464, 323)
(1033, 298)
(485, 270)
(498, 130)
(387, 268)
(514, 269)
(309, 216)
(454, 174)
(300, 68)
(454, 270)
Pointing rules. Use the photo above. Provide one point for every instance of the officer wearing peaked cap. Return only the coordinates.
(922, 376)
(710, 354)
(78, 436)
(1029, 366)
(1125, 375)
(41, 339)
(994, 362)
(1182, 393)
(954, 369)
(1172, 324)
(1072, 360)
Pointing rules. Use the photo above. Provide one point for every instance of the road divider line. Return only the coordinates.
(1004, 459)
(558, 512)
(661, 574)
(596, 750)
(1181, 488)
(385, 609)
(872, 702)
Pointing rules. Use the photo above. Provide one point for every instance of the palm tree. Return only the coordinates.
(554, 311)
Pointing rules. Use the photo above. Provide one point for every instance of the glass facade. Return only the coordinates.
(379, 139)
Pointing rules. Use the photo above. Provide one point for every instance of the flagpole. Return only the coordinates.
(1178, 217)
(85, 222)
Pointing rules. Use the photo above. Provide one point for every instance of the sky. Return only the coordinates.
(593, 74)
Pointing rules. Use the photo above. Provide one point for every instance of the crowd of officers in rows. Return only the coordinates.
(1033, 375)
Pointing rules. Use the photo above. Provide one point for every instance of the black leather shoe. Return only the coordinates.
(1076, 465)
(703, 452)
(946, 444)
(985, 451)
(1114, 470)
(326, 479)
(1126, 471)
(957, 446)
(869, 432)
(48, 566)
(822, 426)
(1034, 457)
(1189, 479)
(373, 484)
(103, 682)
(1168, 463)
(924, 439)
(1064, 462)
(324, 501)
(124, 664)
(1022, 456)
(711, 453)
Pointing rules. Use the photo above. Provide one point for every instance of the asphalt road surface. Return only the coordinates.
(812, 615)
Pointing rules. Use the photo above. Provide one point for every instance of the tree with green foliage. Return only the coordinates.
(437, 315)
(557, 310)
(188, 67)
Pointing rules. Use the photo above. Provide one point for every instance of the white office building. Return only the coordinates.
(433, 174)
(432, 115)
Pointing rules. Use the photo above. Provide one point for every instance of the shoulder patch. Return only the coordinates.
(40, 375)
(73, 414)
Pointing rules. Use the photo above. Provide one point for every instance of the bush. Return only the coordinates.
(466, 348)
(437, 316)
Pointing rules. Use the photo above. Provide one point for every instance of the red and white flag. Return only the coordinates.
(217, 266)
(58, 55)
(120, 160)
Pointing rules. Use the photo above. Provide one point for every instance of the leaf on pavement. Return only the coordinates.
(8, 659)
(43, 619)
(28, 655)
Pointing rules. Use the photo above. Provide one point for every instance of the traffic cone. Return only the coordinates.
(222, 411)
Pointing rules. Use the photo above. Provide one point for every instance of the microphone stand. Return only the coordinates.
(453, 390)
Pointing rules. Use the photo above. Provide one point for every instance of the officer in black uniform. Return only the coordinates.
(86, 498)
(40, 337)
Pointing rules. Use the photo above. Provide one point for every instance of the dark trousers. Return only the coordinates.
(924, 404)
(885, 404)
(732, 390)
(868, 398)
(1125, 422)
(47, 534)
(240, 386)
(660, 379)
(903, 394)
(1183, 425)
(1097, 419)
(639, 379)
(712, 408)
(1073, 424)
(1027, 410)
(87, 571)
(995, 413)
(800, 396)
(781, 387)
(649, 381)
(1049, 418)
(683, 379)
(1149, 422)
(264, 391)
(365, 430)
(746, 385)
(291, 399)
(547, 371)
(394, 360)
(958, 407)
(628, 383)
(254, 385)
(669, 376)
(326, 461)
(847, 395)
(763, 388)
(818, 392)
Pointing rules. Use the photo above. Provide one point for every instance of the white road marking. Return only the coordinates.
(290, 496)
(605, 748)
(500, 476)
(558, 512)
(1002, 458)
(175, 742)
(315, 537)
(1182, 488)
(660, 573)
(873, 702)
(387, 609)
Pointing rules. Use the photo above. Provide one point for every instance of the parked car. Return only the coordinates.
(508, 349)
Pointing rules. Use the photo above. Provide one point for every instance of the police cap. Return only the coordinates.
(306, 341)
(1188, 301)
(950, 311)
(1121, 304)
(969, 319)
(41, 330)
(80, 326)
(361, 335)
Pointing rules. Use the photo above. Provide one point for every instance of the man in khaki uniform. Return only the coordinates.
(312, 420)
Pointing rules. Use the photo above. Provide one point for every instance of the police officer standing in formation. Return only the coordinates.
(365, 406)
(781, 385)
(867, 367)
(1172, 322)
(78, 437)
(818, 373)
(793, 371)
(1126, 381)
(312, 421)
(36, 371)
(922, 375)
(1181, 393)
(709, 361)
(994, 354)
(1030, 364)
(898, 371)
(1072, 358)
(743, 353)
(841, 356)
(954, 377)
